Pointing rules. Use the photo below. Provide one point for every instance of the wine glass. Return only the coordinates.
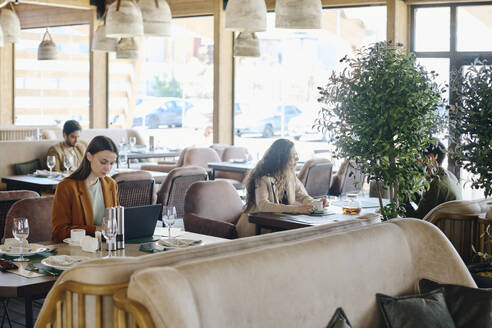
(109, 230)
(133, 142)
(51, 162)
(122, 159)
(20, 230)
(169, 216)
(68, 163)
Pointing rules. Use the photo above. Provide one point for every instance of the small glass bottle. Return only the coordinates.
(351, 205)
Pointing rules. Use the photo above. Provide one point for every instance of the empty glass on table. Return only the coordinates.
(133, 142)
(68, 163)
(109, 230)
(169, 216)
(20, 230)
(51, 162)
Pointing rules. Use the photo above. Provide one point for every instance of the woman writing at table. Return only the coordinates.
(81, 199)
(272, 186)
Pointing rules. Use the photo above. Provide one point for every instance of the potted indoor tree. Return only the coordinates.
(471, 117)
(383, 108)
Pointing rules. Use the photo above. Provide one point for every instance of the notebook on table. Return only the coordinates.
(140, 221)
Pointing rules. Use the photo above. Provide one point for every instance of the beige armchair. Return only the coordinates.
(315, 175)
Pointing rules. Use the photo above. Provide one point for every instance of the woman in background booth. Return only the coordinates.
(272, 186)
(81, 199)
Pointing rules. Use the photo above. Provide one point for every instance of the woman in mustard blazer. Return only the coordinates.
(81, 199)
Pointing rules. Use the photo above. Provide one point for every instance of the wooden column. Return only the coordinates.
(98, 110)
(398, 22)
(7, 84)
(223, 78)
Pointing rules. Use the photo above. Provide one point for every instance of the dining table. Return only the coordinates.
(31, 285)
(146, 154)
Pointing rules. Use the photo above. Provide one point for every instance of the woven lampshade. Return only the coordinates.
(10, 25)
(127, 48)
(101, 42)
(125, 21)
(156, 16)
(47, 48)
(247, 45)
(298, 14)
(246, 15)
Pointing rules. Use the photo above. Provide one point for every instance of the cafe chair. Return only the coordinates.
(174, 187)
(315, 175)
(38, 211)
(459, 221)
(166, 166)
(7, 199)
(348, 179)
(135, 188)
(231, 153)
(212, 208)
(219, 148)
(200, 156)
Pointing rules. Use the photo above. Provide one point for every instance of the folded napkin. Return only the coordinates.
(178, 243)
(62, 260)
(42, 172)
(89, 244)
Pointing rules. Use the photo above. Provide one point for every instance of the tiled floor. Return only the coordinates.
(16, 312)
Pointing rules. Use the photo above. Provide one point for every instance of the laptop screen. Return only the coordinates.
(140, 221)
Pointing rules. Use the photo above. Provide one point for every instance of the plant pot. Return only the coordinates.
(482, 274)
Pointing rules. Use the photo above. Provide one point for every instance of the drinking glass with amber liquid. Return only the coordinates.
(351, 205)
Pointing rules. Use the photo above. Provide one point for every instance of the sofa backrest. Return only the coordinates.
(19, 151)
(300, 283)
(23, 132)
(115, 134)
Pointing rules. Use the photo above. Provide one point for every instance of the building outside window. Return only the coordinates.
(50, 92)
(276, 94)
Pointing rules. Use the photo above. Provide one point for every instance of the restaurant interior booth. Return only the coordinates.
(193, 97)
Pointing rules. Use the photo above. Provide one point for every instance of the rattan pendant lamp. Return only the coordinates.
(127, 48)
(47, 48)
(100, 41)
(246, 15)
(156, 16)
(10, 24)
(124, 20)
(247, 45)
(298, 14)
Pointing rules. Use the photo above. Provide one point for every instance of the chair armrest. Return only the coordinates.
(208, 226)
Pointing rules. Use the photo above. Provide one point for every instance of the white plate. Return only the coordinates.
(77, 259)
(26, 251)
(70, 242)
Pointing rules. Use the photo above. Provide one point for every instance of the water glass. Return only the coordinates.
(68, 163)
(20, 230)
(109, 230)
(169, 216)
(51, 162)
(122, 159)
(133, 142)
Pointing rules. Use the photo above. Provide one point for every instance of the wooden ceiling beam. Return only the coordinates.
(75, 4)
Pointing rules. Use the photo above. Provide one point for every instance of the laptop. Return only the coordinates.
(140, 221)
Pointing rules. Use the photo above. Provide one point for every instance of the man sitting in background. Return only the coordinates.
(71, 146)
(444, 186)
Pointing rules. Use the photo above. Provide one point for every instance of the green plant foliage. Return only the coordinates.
(163, 88)
(382, 108)
(472, 119)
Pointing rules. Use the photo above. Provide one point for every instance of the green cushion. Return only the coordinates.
(27, 167)
(469, 307)
(339, 320)
(415, 311)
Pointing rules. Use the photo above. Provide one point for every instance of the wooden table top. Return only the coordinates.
(14, 285)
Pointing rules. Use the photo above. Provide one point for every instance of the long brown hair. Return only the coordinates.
(273, 164)
(97, 144)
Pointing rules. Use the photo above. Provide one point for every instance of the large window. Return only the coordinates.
(276, 94)
(168, 91)
(52, 91)
(447, 38)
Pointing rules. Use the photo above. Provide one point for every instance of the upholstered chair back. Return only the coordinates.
(200, 156)
(212, 208)
(7, 199)
(459, 220)
(233, 153)
(174, 187)
(38, 211)
(135, 188)
(219, 148)
(316, 176)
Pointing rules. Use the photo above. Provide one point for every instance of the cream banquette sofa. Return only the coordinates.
(20, 151)
(293, 278)
(299, 283)
(97, 281)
